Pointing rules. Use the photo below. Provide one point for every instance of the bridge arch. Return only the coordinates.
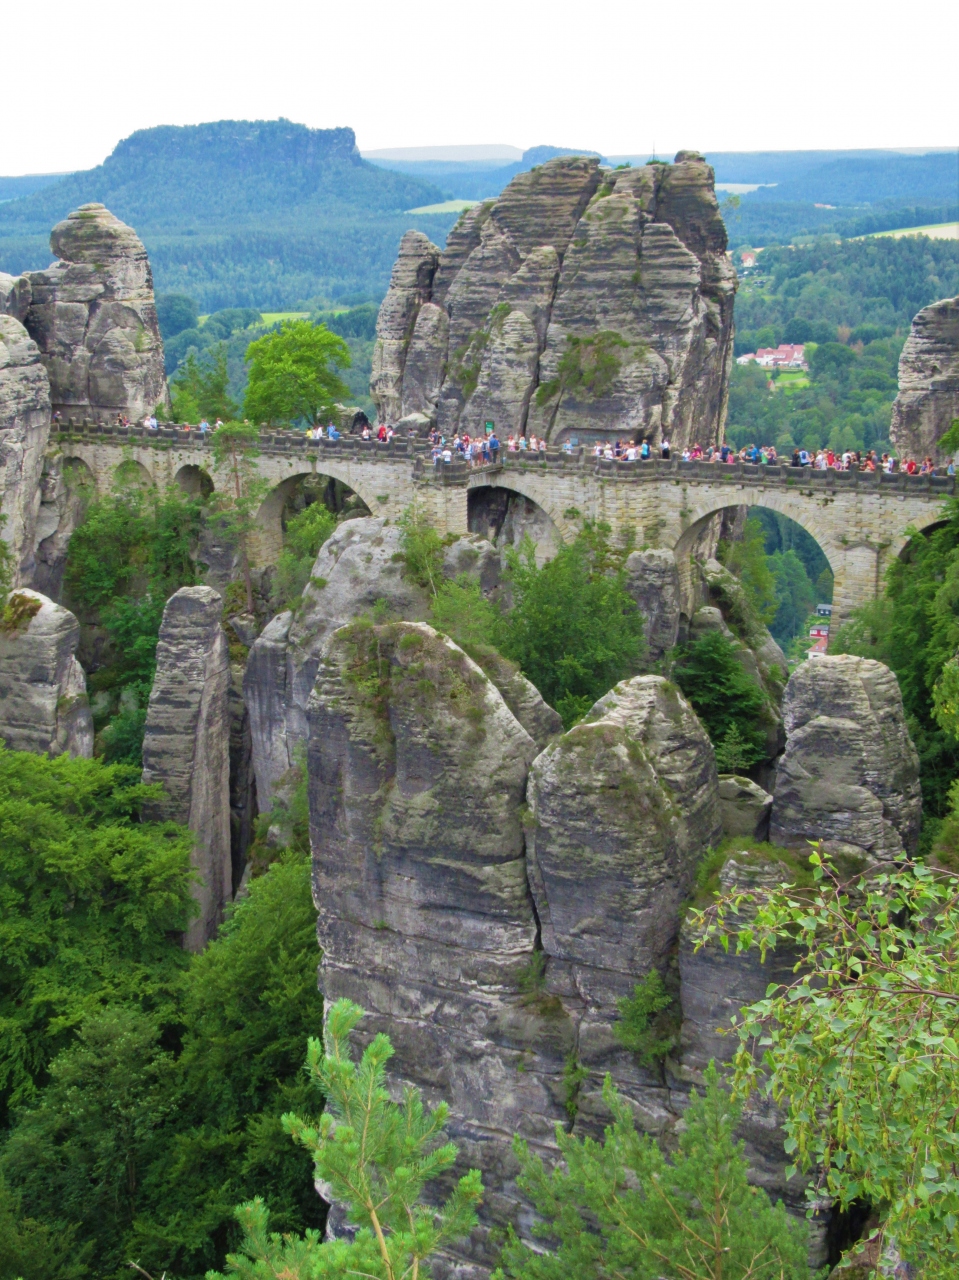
(132, 472)
(504, 514)
(194, 481)
(268, 538)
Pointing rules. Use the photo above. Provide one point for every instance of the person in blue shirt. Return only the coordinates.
(493, 446)
(332, 433)
(645, 450)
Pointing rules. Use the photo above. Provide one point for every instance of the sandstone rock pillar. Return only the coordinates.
(24, 433)
(186, 746)
(850, 773)
(43, 691)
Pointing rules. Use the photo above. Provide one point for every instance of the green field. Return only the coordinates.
(939, 231)
(448, 206)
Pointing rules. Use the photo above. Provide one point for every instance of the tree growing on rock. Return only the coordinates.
(294, 374)
(862, 1047)
(376, 1156)
(621, 1208)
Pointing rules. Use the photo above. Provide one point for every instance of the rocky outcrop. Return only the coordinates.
(66, 486)
(359, 571)
(522, 697)
(186, 745)
(850, 773)
(43, 691)
(928, 400)
(652, 579)
(409, 289)
(744, 807)
(622, 809)
(417, 772)
(24, 433)
(92, 314)
(581, 301)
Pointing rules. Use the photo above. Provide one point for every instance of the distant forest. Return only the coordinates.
(269, 214)
(855, 301)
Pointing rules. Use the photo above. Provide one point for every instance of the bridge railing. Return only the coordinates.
(542, 462)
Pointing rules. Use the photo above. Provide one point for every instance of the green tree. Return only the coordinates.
(303, 536)
(201, 387)
(92, 901)
(726, 698)
(78, 1156)
(294, 374)
(176, 312)
(620, 1208)
(236, 447)
(32, 1250)
(795, 594)
(573, 628)
(860, 1048)
(914, 628)
(747, 559)
(377, 1156)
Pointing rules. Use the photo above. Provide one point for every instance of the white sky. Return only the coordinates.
(617, 76)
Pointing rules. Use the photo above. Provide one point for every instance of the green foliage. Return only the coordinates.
(641, 1028)
(32, 1250)
(914, 629)
(175, 312)
(294, 374)
(92, 899)
(162, 1108)
(949, 443)
(620, 1208)
(377, 1156)
(860, 1047)
(735, 753)
(6, 562)
(201, 388)
(587, 367)
(746, 558)
(724, 696)
(128, 555)
(574, 1074)
(236, 447)
(460, 610)
(422, 550)
(796, 596)
(574, 630)
(303, 536)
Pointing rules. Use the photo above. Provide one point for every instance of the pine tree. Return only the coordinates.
(620, 1208)
(376, 1156)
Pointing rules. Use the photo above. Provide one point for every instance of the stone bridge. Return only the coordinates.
(861, 521)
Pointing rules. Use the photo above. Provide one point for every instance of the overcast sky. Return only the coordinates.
(616, 76)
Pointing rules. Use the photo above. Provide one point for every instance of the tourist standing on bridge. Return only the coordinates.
(664, 450)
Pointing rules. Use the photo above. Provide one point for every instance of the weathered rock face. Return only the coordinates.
(928, 399)
(43, 691)
(522, 697)
(417, 771)
(66, 486)
(744, 807)
(409, 289)
(653, 582)
(622, 809)
(623, 275)
(186, 745)
(850, 772)
(715, 985)
(24, 433)
(92, 314)
(362, 569)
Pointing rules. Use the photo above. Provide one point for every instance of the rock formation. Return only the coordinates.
(186, 745)
(93, 316)
(24, 433)
(437, 886)
(653, 582)
(850, 773)
(417, 772)
(622, 809)
(359, 570)
(581, 301)
(43, 691)
(928, 400)
(744, 807)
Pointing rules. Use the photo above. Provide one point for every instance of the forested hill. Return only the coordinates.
(238, 213)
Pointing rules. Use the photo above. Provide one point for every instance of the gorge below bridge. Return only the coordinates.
(862, 521)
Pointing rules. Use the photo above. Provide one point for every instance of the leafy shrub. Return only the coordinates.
(641, 1027)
